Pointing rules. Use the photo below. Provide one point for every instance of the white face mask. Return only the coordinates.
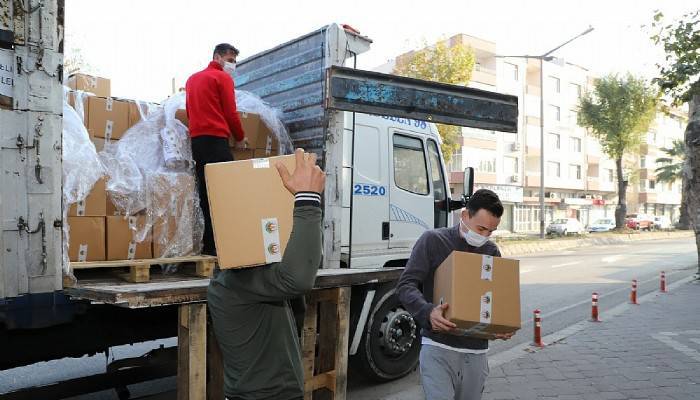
(472, 238)
(230, 68)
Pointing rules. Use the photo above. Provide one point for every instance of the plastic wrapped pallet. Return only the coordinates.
(82, 168)
(151, 174)
(249, 103)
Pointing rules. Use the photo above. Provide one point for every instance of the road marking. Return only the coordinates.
(566, 264)
(611, 259)
(678, 346)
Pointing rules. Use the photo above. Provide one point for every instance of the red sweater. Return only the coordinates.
(211, 104)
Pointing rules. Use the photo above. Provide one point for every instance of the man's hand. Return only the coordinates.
(438, 321)
(504, 336)
(307, 176)
(242, 144)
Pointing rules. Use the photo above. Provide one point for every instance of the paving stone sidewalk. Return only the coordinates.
(650, 351)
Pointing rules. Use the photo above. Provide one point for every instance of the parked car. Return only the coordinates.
(639, 222)
(565, 226)
(602, 225)
(662, 222)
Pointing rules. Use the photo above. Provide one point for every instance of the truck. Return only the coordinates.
(376, 139)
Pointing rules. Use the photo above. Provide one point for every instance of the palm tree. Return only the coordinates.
(670, 171)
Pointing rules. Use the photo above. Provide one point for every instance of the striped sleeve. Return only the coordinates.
(307, 199)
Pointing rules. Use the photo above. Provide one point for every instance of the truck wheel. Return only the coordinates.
(391, 342)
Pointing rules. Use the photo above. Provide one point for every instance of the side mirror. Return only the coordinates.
(468, 182)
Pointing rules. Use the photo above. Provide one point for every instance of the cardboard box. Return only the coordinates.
(134, 113)
(258, 134)
(251, 227)
(94, 84)
(101, 142)
(71, 101)
(258, 153)
(121, 245)
(239, 155)
(483, 293)
(94, 205)
(86, 238)
(107, 118)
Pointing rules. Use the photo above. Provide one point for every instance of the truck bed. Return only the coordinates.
(171, 290)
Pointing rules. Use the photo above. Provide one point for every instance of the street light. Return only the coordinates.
(545, 57)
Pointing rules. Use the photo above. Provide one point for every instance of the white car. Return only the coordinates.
(565, 226)
(662, 222)
(602, 225)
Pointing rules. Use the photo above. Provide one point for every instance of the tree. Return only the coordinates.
(446, 64)
(679, 79)
(617, 112)
(671, 171)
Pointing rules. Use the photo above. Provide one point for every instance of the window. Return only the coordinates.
(642, 162)
(574, 171)
(487, 164)
(555, 84)
(575, 90)
(575, 144)
(456, 162)
(652, 185)
(512, 71)
(642, 185)
(439, 194)
(554, 141)
(510, 166)
(555, 112)
(573, 117)
(609, 175)
(553, 168)
(410, 171)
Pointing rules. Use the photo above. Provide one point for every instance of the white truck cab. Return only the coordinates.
(396, 191)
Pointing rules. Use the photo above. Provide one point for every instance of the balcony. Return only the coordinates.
(534, 121)
(484, 75)
(647, 197)
(593, 184)
(531, 151)
(533, 90)
(479, 143)
(647, 173)
(532, 181)
(485, 177)
(592, 159)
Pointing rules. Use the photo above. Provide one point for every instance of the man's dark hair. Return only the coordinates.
(224, 48)
(486, 199)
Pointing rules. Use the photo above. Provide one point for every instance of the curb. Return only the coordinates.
(515, 247)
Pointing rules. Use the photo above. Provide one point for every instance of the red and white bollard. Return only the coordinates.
(538, 330)
(633, 294)
(594, 308)
(663, 282)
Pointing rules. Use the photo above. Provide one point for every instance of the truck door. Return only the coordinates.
(370, 188)
(411, 209)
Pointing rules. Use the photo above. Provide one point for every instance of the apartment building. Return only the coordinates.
(580, 180)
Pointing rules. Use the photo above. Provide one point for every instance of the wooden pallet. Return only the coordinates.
(140, 270)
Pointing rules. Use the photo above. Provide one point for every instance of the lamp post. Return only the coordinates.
(546, 57)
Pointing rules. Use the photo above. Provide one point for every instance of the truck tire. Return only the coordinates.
(390, 344)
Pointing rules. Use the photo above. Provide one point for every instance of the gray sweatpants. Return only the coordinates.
(448, 375)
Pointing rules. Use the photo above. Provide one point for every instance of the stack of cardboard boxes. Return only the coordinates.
(97, 231)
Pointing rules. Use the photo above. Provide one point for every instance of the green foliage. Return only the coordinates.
(446, 64)
(671, 166)
(617, 112)
(679, 74)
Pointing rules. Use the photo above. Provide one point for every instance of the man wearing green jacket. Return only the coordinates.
(250, 310)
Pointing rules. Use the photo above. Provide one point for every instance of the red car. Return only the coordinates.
(639, 222)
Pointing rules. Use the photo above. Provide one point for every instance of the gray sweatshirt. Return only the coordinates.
(415, 286)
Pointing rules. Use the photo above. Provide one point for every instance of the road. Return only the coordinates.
(560, 284)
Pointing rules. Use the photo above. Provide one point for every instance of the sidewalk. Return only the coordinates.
(650, 351)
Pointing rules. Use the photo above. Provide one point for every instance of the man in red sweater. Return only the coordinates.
(211, 110)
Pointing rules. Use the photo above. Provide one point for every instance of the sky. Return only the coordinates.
(142, 45)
